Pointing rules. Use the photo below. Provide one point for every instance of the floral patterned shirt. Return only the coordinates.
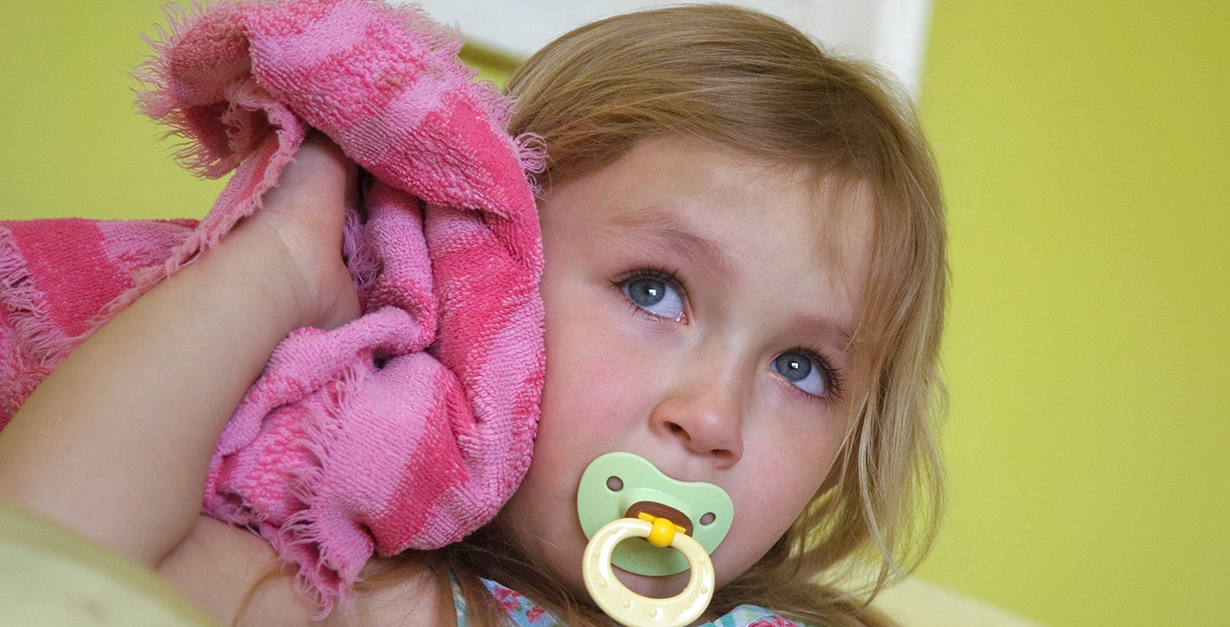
(525, 614)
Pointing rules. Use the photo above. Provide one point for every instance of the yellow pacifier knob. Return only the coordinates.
(663, 531)
(632, 609)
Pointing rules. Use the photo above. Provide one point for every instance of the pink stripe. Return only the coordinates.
(434, 470)
(77, 281)
(319, 31)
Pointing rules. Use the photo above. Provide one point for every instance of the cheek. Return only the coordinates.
(590, 399)
(784, 482)
(785, 465)
(600, 361)
(585, 373)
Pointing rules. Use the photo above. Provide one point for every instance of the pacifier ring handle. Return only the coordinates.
(630, 608)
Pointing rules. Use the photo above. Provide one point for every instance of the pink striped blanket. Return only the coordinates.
(407, 428)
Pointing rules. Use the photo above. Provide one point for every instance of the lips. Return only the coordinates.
(659, 510)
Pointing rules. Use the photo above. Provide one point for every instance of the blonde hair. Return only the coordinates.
(751, 82)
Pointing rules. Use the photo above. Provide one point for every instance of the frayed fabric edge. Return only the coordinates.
(40, 345)
(326, 579)
(157, 100)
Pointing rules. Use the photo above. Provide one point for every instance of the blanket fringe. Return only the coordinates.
(39, 345)
(532, 154)
(323, 579)
(157, 99)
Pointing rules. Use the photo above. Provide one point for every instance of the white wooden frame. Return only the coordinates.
(893, 33)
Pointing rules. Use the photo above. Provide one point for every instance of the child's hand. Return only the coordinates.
(303, 217)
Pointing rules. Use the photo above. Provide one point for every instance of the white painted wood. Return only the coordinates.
(893, 33)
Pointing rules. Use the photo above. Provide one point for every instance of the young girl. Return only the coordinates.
(745, 283)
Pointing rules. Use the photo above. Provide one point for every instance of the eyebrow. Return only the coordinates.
(664, 229)
(842, 338)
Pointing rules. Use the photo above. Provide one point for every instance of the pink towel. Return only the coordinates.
(407, 428)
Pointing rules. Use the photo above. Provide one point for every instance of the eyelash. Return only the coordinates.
(668, 277)
(833, 380)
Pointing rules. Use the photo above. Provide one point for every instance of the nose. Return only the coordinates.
(703, 411)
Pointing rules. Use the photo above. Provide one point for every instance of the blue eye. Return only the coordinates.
(655, 296)
(801, 371)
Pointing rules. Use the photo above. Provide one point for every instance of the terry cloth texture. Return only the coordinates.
(412, 425)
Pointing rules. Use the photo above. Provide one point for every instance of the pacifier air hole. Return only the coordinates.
(614, 483)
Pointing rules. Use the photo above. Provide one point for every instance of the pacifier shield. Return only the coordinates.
(614, 482)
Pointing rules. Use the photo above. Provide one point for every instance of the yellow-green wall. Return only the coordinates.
(1085, 150)
(71, 142)
(1084, 147)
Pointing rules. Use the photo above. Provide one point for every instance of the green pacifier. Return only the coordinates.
(647, 523)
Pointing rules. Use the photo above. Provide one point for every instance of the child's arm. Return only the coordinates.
(116, 442)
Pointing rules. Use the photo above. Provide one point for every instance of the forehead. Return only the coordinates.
(711, 203)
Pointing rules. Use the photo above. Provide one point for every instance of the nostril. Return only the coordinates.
(675, 428)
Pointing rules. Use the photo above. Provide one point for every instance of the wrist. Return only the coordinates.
(251, 268)
(295, 238)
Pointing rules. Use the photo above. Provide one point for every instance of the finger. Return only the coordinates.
(318, 165)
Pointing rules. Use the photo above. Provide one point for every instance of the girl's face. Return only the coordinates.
(699, 309)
